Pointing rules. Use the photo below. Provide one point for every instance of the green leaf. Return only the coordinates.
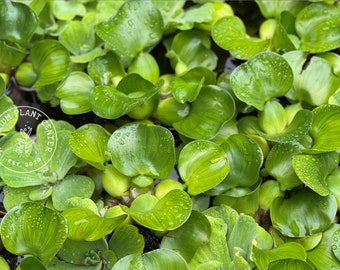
(126, 240)
(308, 87)
(298, 128)
(325, 129)
(289, 264)
(29, 263)
(16, 196)
(19, 22)
(274, 8)
(4, 265)
(142, 149)
(186, 87)
(74, 93)
(191, 49)
(156, 259)
(279, 164)
(202, 165)
(67, 10)
(146, 66)
(263, 258)
(89, 142)
(106, 69)
(50, 61)
(318, 25)
(8, 114)
(263, 77)
(304, 213)
(322, 256)
(212, 108)
(314, 169)
(83, 224)
(131, 92)
(122, 31)
(79, 252)
(71, 186)
(168, 213)
(230, 34)
(188, 238)
(33, 229)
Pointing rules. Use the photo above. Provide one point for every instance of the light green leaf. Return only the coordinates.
(126, 240)
(8, 114)
(230, 34)
(31, 262)
(33, 229)
(318, 26)
(168, 213)
(67, 10)
(131, 92)
(50, 61)
(4, 265)
(142, 149)
(304, 213)
(188, 238)
(71, 186)
(122, 31)
(274, 8)
(89, 142)
(314, 169)
(290, 264)
(263, 77)
(74, 93)
(212, 108)
(83, 224)
(325, 129)
(202, 165)
(156, 259)
(263, 258)
(19, 22)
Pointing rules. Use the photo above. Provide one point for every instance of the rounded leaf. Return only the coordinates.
(202, 165)
(264, 76)
(304, 213)
(168, 213)
(32, 228)
(142, 149)
(123, 31)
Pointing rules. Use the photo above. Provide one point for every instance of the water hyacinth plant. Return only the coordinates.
(173, 134)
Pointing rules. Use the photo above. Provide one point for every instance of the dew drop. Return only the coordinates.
(334, 247)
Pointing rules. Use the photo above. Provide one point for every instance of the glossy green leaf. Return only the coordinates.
(82, 252)
(142, 149)
(106, 69)
(318, 26)
(304, 213)
(263, 258)
(314, 169)
(19, 22)
(41, 193)
(230, 34)
(307, 86)
(131, 92)
(67, 10)
(336, 244)
(325, 129)
(322, 256)
(77, 37)
(186, 87)
(83, 224)
(279, 164)
(215, 253)
(122, 31)
(16, 196)
(290, 264)
(50, 61)
(71, 186)
(33, 229)
(146, 66)
(188, 238)
(8, 114)
(269, 190)
(263, 77)
(202, 165)
(298, 128)
(89, 142)
(74, 93)
(274, 8)
(126, 240)
(212, 108)
(156, 259)
(31, 262)
(191, 49)
(245, 158)
(333, 59)
(169, 111)
(168, 213)
(59, 264)
(10, 56)
(4, 265)
(273, 118)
